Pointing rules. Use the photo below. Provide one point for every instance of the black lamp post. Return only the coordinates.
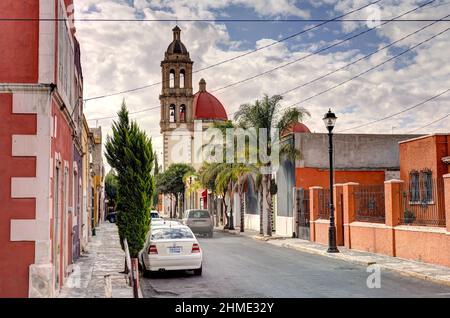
(330, 119)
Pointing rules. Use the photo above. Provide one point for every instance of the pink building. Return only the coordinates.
(40, 95)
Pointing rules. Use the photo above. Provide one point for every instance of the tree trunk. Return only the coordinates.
(135, 276)
(261, 213)
(231, 207)
(242, 209)
(225, 215)
(268, 196)
(176, 207)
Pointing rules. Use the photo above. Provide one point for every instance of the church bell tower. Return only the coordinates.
(177, 113)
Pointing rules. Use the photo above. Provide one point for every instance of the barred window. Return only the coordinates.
(427, 177)
(414, 186)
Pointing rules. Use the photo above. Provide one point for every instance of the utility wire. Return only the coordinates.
(397, 113)
(427, 125)
(320, 50)
(360, 59)
(340, 42)
(369, 70)
(240, 55)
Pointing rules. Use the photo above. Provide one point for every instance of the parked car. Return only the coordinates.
(199, 221)
(154, 215)
(171, 246)
(111, 217)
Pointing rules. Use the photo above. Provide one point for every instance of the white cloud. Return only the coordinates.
(118, 56)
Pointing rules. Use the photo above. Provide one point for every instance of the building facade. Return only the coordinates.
(41, 88)
(368, 159)
(183, 114)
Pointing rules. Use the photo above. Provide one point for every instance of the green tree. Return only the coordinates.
(268, 114)
(129, 152)
(171, 182)
(155, 174)
(111, 186)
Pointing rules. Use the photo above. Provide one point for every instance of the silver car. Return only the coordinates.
(199, 221)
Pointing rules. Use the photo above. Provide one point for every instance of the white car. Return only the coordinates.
(171, 247)
(154, 215)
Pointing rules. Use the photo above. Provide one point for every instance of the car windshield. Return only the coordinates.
(198, 214)
(171, 233)
(154, 215)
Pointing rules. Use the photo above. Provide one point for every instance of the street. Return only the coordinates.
(237, 266)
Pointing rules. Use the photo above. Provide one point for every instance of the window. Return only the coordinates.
(427, 178)
(172, 114)
(199, 214)
(414, 186)
(172, 79)
(66, 60)
(183, 113)
(182, 79)
(171, 234)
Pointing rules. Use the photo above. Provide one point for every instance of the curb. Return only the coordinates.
(367, 263)
(342, 257)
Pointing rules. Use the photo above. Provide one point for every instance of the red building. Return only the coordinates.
(39, 95)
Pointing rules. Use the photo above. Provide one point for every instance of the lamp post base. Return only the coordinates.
(332, 250)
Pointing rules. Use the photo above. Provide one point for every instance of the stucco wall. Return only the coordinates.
(15, 257)
(351, 151)
(19, 42)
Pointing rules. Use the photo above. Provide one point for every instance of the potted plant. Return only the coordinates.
(409, 216)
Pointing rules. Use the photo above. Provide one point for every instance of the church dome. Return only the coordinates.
(298, 127)
(207, 106)
(177, 47)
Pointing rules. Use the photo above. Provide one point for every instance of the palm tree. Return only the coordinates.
(224, 185)
(268, 114)
(243, 173)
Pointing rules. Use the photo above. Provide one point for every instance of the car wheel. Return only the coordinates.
(198, 271)
(146, 273)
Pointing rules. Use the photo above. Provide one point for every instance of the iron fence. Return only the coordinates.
(422, 203)
(369, 203)
(324, 204)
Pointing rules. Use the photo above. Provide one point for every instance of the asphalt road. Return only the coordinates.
(241, 267)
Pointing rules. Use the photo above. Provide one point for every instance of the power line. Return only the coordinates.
(318, 51)
(368, 70)
(360, 59)
(325, 48)
(397, 113)
(204, 20)
(427, 125)
(240, 55)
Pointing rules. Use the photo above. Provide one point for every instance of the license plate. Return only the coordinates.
(175, 250)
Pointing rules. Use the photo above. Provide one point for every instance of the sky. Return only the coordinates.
(118, 56)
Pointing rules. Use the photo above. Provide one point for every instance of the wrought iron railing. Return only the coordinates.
(324, 204)
(422, 203)
(369, 203)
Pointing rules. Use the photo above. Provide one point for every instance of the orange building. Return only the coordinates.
(368, 159)
(423, 162)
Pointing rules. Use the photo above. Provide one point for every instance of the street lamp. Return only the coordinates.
(330, 120)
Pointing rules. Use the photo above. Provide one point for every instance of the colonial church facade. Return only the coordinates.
(182, 111)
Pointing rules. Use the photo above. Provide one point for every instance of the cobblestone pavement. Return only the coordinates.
(238, 266)
(104, 256)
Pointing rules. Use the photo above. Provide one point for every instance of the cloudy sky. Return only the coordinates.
(118, 56)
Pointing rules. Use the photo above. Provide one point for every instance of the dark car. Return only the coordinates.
(112, 217)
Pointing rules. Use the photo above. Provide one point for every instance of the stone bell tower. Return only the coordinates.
(177, 113)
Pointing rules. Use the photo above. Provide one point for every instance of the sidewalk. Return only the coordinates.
(435, 273)
(104, 257)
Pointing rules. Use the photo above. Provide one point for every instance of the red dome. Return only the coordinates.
(297, 128)
(300, 128)
(208, 107)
